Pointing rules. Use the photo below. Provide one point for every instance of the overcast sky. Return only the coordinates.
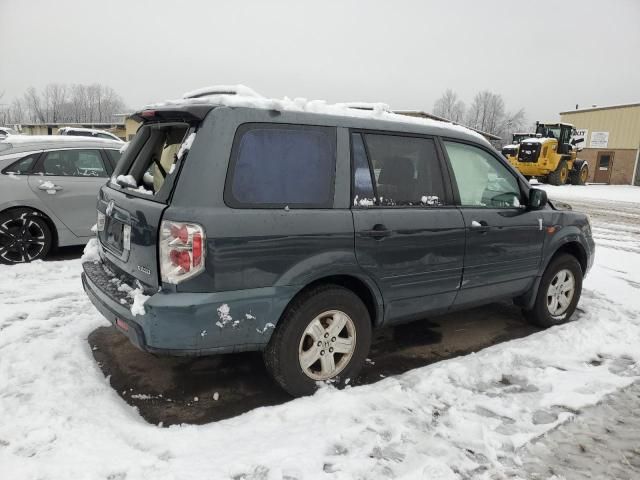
(544, 56)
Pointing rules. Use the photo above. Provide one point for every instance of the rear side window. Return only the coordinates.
(406, 171)
(74, 163)
(278, 165)
(22, 166)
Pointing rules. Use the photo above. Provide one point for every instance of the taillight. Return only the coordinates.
(100, 222)
(182, 251)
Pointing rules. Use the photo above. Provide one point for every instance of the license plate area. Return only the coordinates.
(115, 235)
(118, 236)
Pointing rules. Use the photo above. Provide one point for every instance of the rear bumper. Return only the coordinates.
(191, 324)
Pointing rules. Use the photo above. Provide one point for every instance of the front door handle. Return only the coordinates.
(50, 189)
(378, 232)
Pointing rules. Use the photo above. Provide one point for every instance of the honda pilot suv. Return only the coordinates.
(235, 224)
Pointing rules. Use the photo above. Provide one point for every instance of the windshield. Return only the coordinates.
(549, 131)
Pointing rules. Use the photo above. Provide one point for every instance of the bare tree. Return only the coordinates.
(488, 114)
(34, 105)
(449, 106)
(79, 102)
(55, 98)
(59, 103)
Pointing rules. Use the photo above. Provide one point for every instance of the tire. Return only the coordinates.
(25, 236)
(542, 312)
(559, 175)
(579, 177)
(295, 338)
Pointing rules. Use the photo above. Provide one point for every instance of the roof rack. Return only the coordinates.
(239, 90)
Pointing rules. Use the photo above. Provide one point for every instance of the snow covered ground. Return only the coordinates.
(608, 193)
(475, 416)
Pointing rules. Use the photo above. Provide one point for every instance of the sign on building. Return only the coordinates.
(584, 133)
(599, 140)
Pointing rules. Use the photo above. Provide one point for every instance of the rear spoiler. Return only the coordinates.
(173, 113)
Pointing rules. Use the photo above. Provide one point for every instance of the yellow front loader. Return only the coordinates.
(551, 156)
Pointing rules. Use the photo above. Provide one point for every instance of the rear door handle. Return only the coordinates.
(378, 231)
(479, 226)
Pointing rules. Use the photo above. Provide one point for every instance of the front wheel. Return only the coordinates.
(558, 293)
(324, 335)
(24, 236)
(559, 175)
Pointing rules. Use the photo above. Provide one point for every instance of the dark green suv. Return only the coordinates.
(236, 223)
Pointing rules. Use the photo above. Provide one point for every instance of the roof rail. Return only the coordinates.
(369, 106)
(239, 90)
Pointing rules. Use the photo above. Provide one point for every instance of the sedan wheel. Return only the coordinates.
(24, 237)
(327, 345)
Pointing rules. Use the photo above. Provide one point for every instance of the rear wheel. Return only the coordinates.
(558, 293)
(24, 236)
(579, 176)
(559, 175)
(324, 335)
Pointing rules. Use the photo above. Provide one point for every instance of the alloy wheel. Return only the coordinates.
(560, 292)
(21, 240)
(327, 345)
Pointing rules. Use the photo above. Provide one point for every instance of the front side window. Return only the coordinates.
(278, 165)
(74, 163)
(406, 171)
(482, 180)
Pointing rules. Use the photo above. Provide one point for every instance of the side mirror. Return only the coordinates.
(537, 198)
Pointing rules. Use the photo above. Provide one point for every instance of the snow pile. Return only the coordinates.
(91, 251)
(241, 96)
(184, 148)
(363, 202)
(127, 180)
(136, 294)
(469, 417)
(142, 190)
(224, 316)
(430, 200)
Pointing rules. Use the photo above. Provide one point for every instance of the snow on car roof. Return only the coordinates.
(242, 96)
(22, 143)
(15, 139)
(83, 129)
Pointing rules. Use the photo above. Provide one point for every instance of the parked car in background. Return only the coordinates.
(48, 188)
(296, 233)
(4, 131)
(88, 132)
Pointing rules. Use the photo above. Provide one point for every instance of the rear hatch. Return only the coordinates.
(131, 204)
